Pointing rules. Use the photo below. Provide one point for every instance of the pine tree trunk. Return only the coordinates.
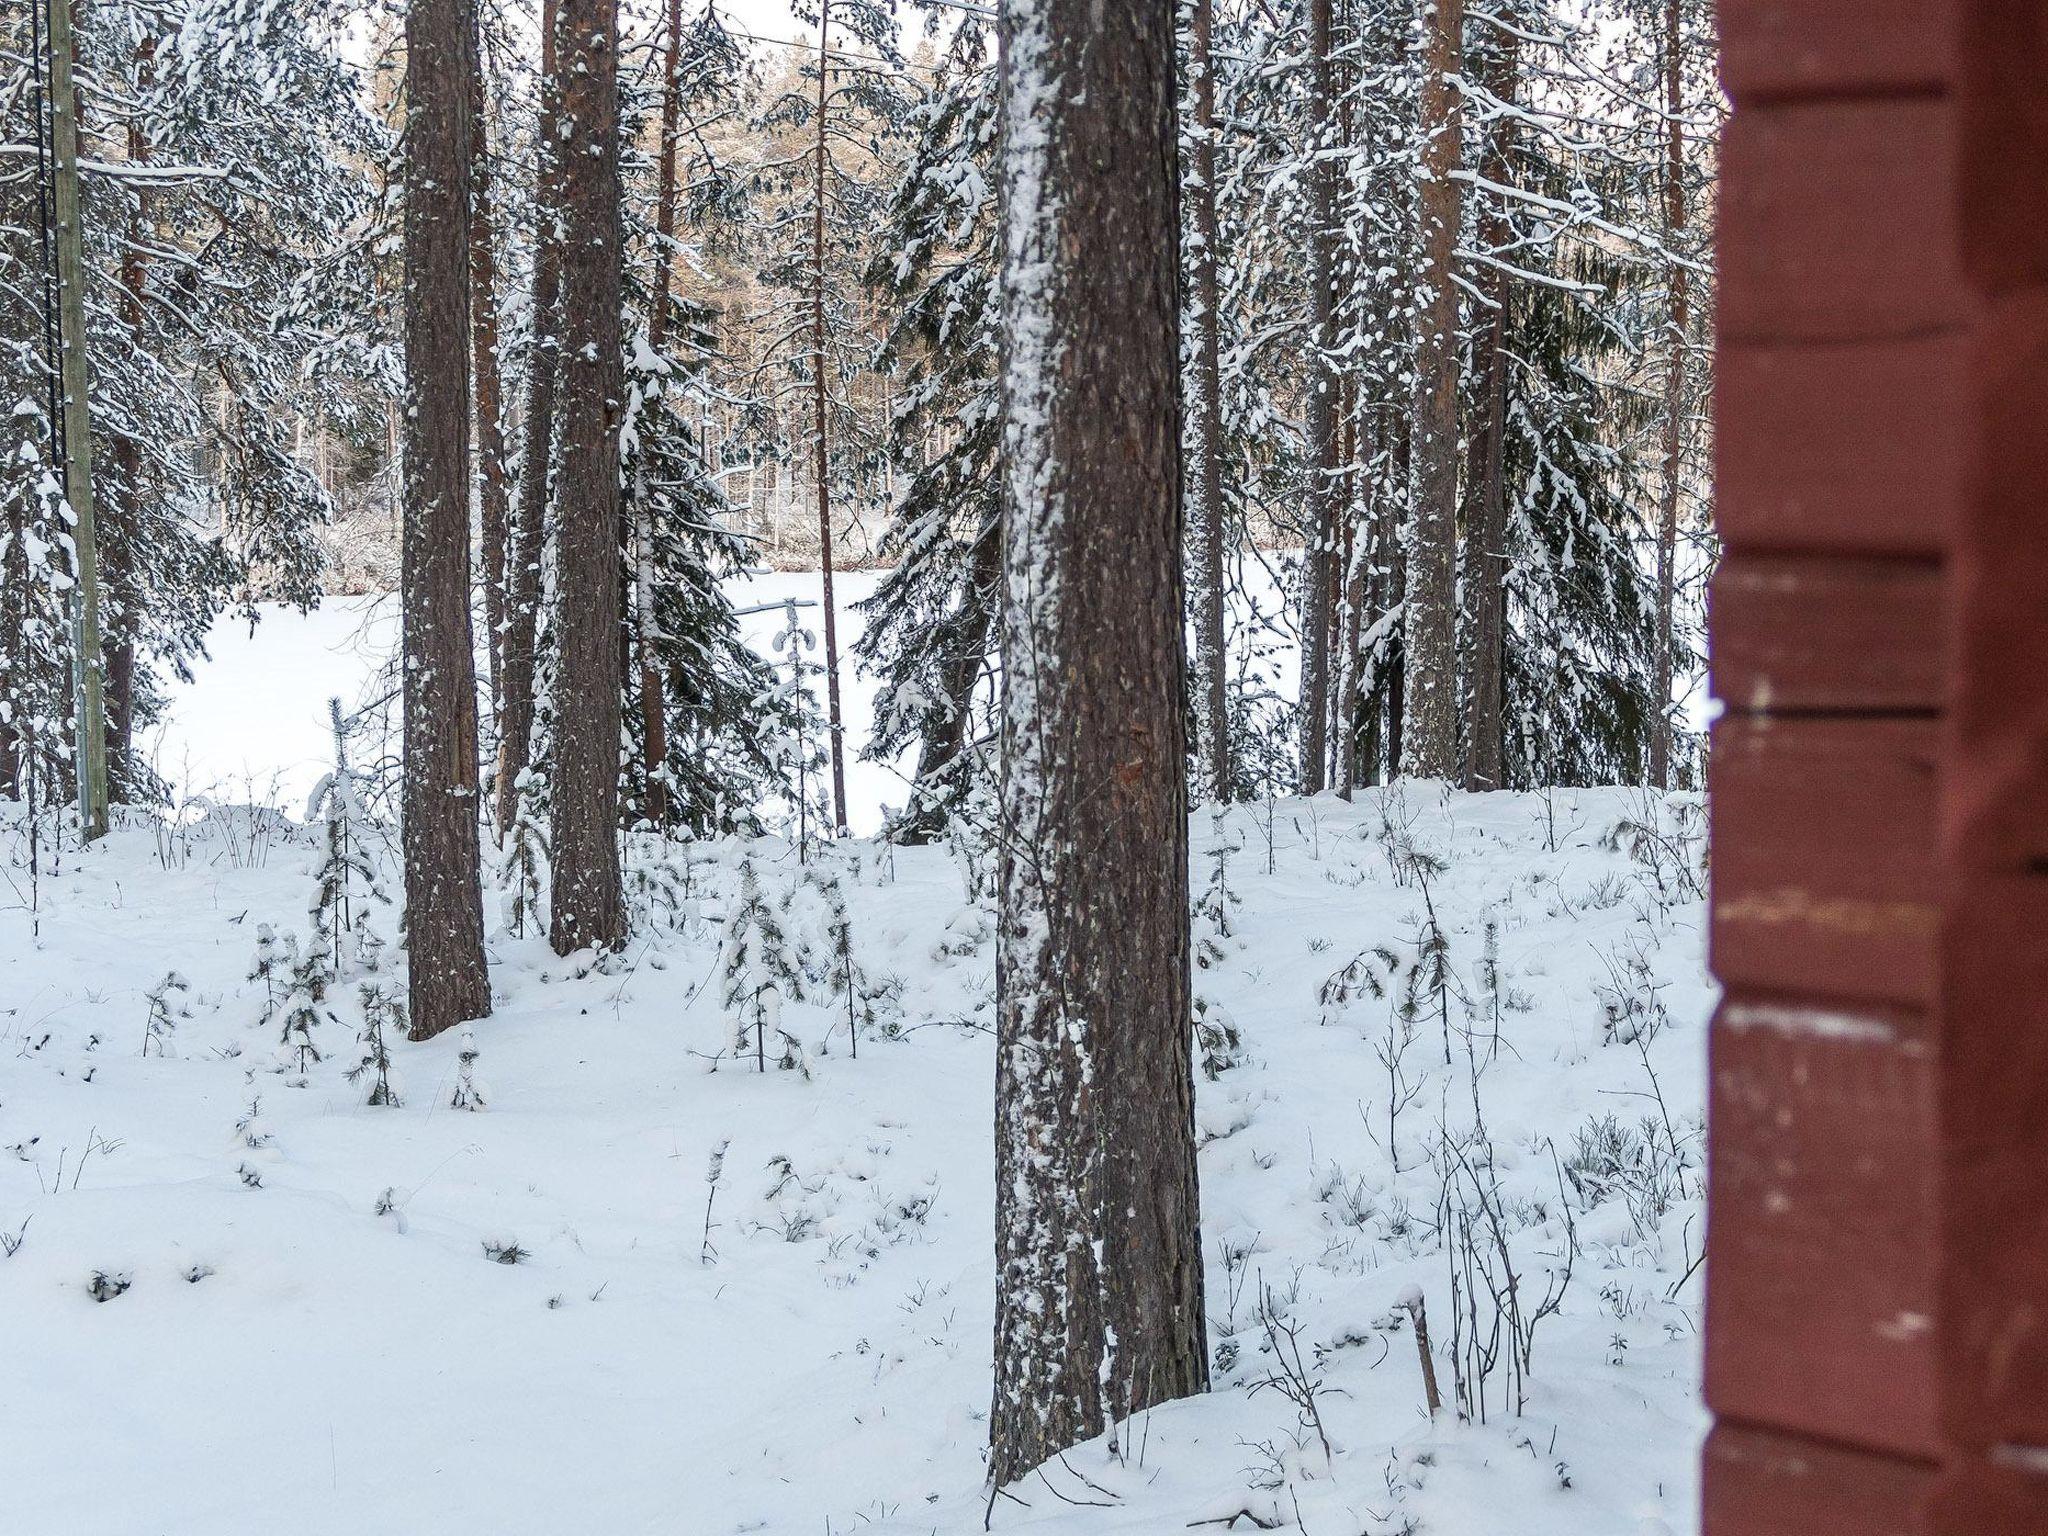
(1674, 399)
(822, 464)
(448, 983)
(1322, 413)
(125, 508)
(1099, 1289)
(493, 506)
(1485, 549)
(653, 703)
(587, 906)
(523, 559)
(1430, 725)
(1208, 520)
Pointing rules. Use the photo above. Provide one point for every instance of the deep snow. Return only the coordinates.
(285, 1358)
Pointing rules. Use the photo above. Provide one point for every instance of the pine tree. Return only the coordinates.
(448, 981)
(586, 907)
(1099, 1315)
(930, 634)
(1430, 727)
(813, 245)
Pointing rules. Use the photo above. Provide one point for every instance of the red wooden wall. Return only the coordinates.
(1877, 1303)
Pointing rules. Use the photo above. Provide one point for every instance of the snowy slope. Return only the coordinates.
(286, 1358)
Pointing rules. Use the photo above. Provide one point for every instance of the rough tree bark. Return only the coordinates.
(1322, 413)
(1430, 725)
(447, 980)
(1485, 549)
(523, 559)
(493, 494)
(586, 902)
(822, 458)
(1674, 395)
(1099, 1280)
(1208, 519)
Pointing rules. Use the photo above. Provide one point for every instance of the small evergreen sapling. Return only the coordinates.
(383, 1014)
(305, 1009)
(167, 1006)
(272, 965)
(762, 968)
(348, 880)
(1212, 924)
(522, 862)
(470, 1092)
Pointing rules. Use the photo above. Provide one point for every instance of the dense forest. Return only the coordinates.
(1229, 406)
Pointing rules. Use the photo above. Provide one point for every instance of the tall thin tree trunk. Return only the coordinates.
(653, 704)
(1674, 398)
(1430, 726)
(586, 902)
(1208, 520)
(523, 561)
(1322, 411)
(1099, 1276)
(493, 493)
(447, 979)
(1485, 549)
(125, 507)
(822, 462)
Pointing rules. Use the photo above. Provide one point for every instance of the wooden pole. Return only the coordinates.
(70, 247)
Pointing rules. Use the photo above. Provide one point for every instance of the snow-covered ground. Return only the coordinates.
(304, 1323)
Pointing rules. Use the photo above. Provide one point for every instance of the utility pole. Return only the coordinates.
(77, 427)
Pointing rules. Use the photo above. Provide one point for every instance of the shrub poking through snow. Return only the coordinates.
(470, 1092)
(272, 965)
(520, 864)
(167, 1006)
(1218, 1044)
(762, 968)
(1212, 924)
(347, 882)
(383, 1015)
(304, 1010)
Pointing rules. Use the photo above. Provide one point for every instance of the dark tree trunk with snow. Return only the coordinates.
(1321, 447)
(1430, 725)
(1212, 694)
(516, 666)
(1099, 1281)
(1485, 548)
(493, 516)
(586, 905)
(443, 896)
(1674, 396)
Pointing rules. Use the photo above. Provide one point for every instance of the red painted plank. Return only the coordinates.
(1840, 446)
(1839, 221)
(1827, 633)
(1995, 1162)
(1823, 857)
(1821, 1244)
(1778, 48)
(1759, 1483)
(1997, 792)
